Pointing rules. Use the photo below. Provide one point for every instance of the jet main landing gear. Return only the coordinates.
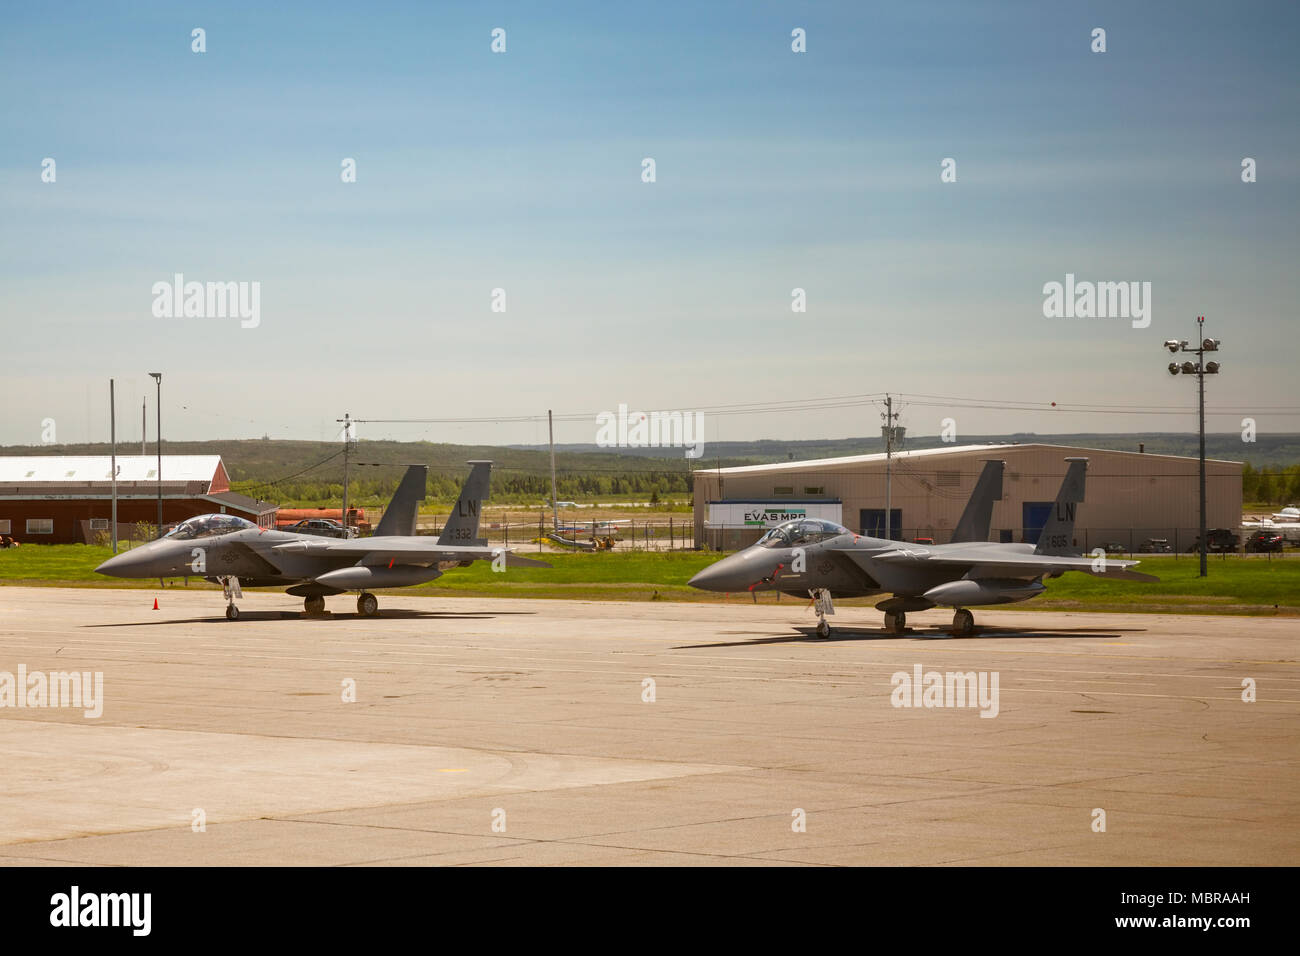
(314, 604)
(963, 623)
(896, 622)
(367, 604)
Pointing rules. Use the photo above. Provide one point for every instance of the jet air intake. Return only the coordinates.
(966, 593)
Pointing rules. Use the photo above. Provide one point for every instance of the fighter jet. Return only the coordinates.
(233, 552)
(823, 560)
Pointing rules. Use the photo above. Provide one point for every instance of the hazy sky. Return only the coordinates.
(523, 171)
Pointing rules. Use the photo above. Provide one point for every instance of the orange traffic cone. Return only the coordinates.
(155, 604)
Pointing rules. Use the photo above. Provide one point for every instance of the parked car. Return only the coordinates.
(324, 527)
(1156, 546)
(1264, 541)
(1114, 547)
(1217, 539)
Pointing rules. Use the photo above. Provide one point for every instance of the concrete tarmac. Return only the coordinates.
(515, 732)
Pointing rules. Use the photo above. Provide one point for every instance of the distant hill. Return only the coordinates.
(312, 471)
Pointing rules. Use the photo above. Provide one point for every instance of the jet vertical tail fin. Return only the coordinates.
(462, 525)
(1057, 537)
(399, 517)
(975, 520)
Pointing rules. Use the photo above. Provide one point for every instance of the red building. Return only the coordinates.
(61, 500)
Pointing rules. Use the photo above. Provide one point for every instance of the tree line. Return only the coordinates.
(1274, 486)
(507, 488)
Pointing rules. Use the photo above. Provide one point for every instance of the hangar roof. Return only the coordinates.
(1002, 448)
(44, 469)
(233, 499)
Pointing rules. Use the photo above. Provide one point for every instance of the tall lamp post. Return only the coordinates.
(1200, 368)
(157, 377)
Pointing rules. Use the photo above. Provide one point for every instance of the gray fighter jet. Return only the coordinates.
(823, 560)
(231, 551)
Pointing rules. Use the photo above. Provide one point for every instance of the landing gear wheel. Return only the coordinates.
(367, 605)
(232, 613)
(314, 604)
(963, 622)
(823, 628)
(895, 622)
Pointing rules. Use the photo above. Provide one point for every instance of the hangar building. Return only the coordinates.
(52, 499)
(1131, 496)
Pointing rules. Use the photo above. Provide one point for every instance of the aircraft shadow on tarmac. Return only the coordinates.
(809, 635)
(390, 614)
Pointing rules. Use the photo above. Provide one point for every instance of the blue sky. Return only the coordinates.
(521, 171)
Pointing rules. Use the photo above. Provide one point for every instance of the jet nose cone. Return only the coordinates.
(730, 574)
(112, 567)
(136, 563)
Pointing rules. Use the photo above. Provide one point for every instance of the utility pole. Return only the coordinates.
(1200, 369)
(555, 508)
(112, 467)
(347, 441)
(890, 432)
(889, 463)
(144, 405)
(1200, 387)
(157, 377)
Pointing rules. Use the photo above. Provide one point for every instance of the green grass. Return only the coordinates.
(1235, 585)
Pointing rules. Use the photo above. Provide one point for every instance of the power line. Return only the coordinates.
(279, 481)
(859, 400)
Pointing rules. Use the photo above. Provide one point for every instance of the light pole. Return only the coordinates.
(157, 377)
(1200, 368)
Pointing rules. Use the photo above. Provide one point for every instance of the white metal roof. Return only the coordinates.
(847, 460)
(81, 469)
(779, 466)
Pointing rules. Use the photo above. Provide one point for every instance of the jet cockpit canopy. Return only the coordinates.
(205, 526)
(801, 532)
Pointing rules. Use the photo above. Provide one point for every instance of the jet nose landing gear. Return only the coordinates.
(821, 599)
(230, 588)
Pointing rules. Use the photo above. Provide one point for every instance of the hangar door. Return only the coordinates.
(1033, 518)
(871, 521)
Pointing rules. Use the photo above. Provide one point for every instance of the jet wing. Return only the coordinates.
(987, 563)
(404, 550)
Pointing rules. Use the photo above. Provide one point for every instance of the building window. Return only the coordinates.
(949, 479)
(98, 524)
(783, 490)
(4, 526)
(40, 526)
(814, 490)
